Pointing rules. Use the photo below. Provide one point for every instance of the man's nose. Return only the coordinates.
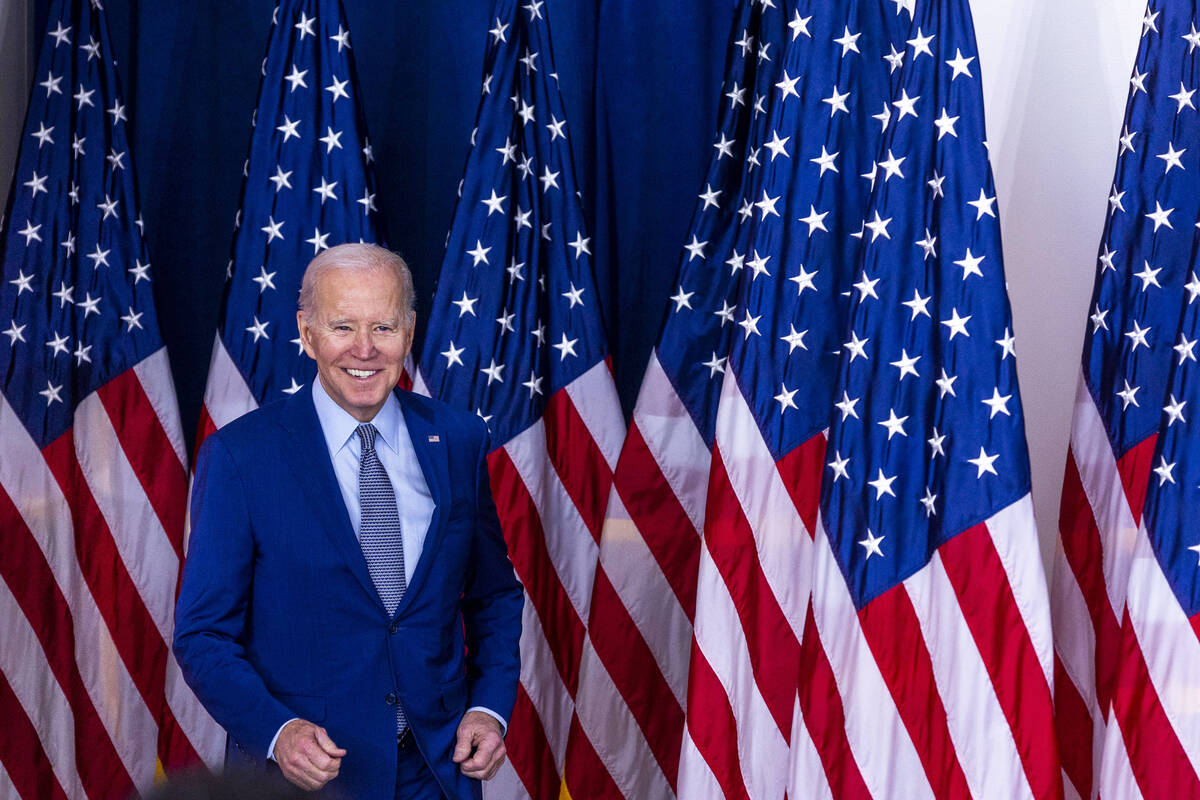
(364, 344)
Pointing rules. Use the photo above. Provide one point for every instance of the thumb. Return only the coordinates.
(327, 744)
(462, 747)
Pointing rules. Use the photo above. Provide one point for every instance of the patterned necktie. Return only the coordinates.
(379, 531)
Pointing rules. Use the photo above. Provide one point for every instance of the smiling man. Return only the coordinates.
(348, 611)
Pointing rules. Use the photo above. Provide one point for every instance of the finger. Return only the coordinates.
(491, 773)
(327, 744)
(462, 747)
(483, 754)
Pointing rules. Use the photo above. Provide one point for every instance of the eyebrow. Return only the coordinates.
(342, 320)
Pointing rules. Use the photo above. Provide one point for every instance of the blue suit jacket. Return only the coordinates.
(278, 618)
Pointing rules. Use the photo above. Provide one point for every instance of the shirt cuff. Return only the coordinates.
(275, 738)
(490, 713)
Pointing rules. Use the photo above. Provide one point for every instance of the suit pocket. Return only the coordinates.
(454, 695)
(305, 706)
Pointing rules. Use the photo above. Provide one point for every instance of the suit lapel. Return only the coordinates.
(308, 458)
(428, 442)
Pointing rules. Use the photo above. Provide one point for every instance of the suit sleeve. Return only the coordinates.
(492, 604)
(214, 600)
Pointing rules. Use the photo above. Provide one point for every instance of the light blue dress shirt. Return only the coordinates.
(395, 450)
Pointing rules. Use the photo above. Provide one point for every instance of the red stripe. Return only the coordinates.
(137, 638)
(890, 625)
(529, 751)
(148, 451)
(774, 651)
(659, 517)
(1073, 722)
(630, 663)
(577, 460)
(29, 577)
(205, 427)
(990, 610)
(1134, 468)
(527, 548)
(800, 471)
(1083, 548)
(584, 775)
(825, 718)
(1160, 764)
(712, 726)
(25, 761)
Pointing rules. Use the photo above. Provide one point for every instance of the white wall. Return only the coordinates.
(1056, 76)
(15, 72)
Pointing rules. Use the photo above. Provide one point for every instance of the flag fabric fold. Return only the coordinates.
(515, 335)
(93, 474)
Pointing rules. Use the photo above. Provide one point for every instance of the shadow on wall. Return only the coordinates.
(16, 65)
(200, 784)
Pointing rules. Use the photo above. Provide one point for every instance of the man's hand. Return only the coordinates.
(306, 755)
(480, 738)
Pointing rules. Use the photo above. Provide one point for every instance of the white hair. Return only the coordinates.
(358, 257)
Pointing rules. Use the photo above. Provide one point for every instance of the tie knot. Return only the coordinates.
(366, 435)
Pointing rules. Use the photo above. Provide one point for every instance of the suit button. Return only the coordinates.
(394, 627)
(391, 699)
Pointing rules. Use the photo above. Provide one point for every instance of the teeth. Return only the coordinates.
(362, 373)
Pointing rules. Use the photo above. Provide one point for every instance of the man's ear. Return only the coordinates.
(305, 331)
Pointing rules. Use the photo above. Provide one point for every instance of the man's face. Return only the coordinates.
(358, 336)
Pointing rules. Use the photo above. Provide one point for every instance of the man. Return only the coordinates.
(345, 552)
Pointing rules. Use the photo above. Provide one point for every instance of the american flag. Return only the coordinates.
(1124, 583)
(627, 737)
(92, 477)
(308, 186)
(516, 336)
(929, 674)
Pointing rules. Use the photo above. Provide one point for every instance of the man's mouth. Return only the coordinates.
(361, 373)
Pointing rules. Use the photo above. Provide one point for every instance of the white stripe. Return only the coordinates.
(673, 441)
(8, 791)
(615, 734)
(505, 785)
(572, 549)
(1106, 495)
(1169, 645)
(647, 596)
(543, 684)
(784, 548)
(154, 374)
(420, 388)
(1069, 792)
(885, 754)
(806, 773)
(696, 780)
(29, 675)
(206, 736)
(41, 504)
(762, 750)
(594, 396)
(226, 396)
(136, 529)
(1115, 780)
(1015, 538)
(1075, 637)
(983, 741)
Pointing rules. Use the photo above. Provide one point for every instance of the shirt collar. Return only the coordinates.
(338, 426)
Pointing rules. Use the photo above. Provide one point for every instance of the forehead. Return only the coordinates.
(358, 290)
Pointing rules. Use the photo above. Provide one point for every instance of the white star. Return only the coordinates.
(848, 41)
(1097, 319)
(1127, 141)
(777, 146)
(288, 128)
(534, 7)
(838, 465)
(1138, 336)
(1114, 200)
(367, 201)
(14, 333)
(1195, 548)
(884, 116)
(556, 128)
(264, 280)
(1164, 470)
(746, 42)
(957, 324)
(58, 344)
(99, 257)
(526, 113)
(750, 324)
(305, 25)
(1183, 98)
(30, 232)
(495, 203)
(132, 320)
(906, 365)
(281, 179)
(928, 244)
(69, 243)
(970, 264)
(338, 89)
(1193, 288)
(814, 221)
(1184, 348)
(319, 240)
(919, 306)
(1129, 395)
(23, 282)
(906, 105)
(575, 296)
(506, 321)
(514, 270)
(921, 44)
(765, 47)
(804, 280)
(493, 372)
(582, 245)
(479, 254)
(61, 35)
(799, 25)
(891, 167)
(759, 265)
(42, 134)
(331, 140)
(709, 196)
(871, 543)
(1148, 277)
(566, 347)
(737, 96)
(746, 211)
(882, 485)
(894, 424)
(522, 219)
(109, 207)
(65, 294)
(837, 102)
(766, 206)
(879, 227)
(326, 190)
(846, 406)
(784, 398)
(51, 393)
(1106, 259)
(1174, 410)
(998, 403)
(857, 347)
(549, 179)
(466, 305)
(1192, 38)
(724, 147)
(1160, 216)
(453, 355)
(936, 444)
(51, 84)
(960, 65)
(1148, 22)
(36, 184)
(90, 305)
(259, 329)
(294, 387)
(946, 384)
(696, 248)
(825, 160)
(983, 205)
(935, 183)
(342, 37)
(945, 125)
(794, 338)
(83, 98)
(984, 463)
(928, 501)
(1006, 345)
(895, 59)
(81, 353)
(866, 287)
(1171, 157)
(296, 78)
(272, 229)
(534, 384)
(367, 151)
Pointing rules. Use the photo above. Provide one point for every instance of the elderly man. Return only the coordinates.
(348, 610)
